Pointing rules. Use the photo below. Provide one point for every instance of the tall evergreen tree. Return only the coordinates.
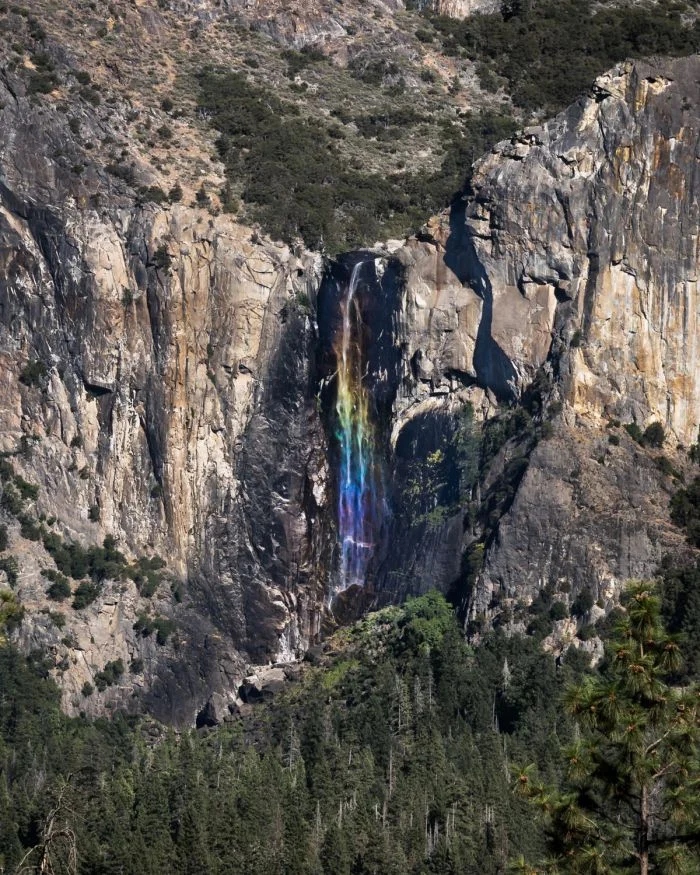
(631, 800)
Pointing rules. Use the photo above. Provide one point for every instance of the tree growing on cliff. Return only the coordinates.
(631, 795)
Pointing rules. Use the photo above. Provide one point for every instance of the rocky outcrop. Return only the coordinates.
(593, 220)
(168, 408)
(464, 8)
(582, 230)
(575, 263)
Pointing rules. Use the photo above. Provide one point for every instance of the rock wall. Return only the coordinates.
(172, 349)
(464, 8)
(178, 401)
(575, 262)
(594, 218)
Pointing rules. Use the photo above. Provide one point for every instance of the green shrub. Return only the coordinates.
(546, 430)
(4, 539)
(145, 574)
(635, 432)
(143, 625)
(153, 194)
(109, 675)
(550, 52)
(558, 611)
(606, 626)
(583, 602)
(11, 501)
(36, 29)
(33, 373)
(58, 619)
(383, 124)
(60, 588)
(585, 633)
(29, 528)
(91, 95)
(298, 61)
(177, 588)
(28, 491)
(685, 511)
(295, 183)
(11, 611)
(175, 193)
(163, 627)
(229, 203)
(42, 82)
(121, 171)
(654, 435)
(161, 258)
(540, 626)
(85, 595)
(10, 566)
(87, 689)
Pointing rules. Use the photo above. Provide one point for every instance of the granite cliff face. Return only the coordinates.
(464, 8)
(160, 381)
(577, 256)
(161, 342)
(168, 379)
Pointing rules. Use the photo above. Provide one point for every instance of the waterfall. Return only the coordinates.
(360, 499)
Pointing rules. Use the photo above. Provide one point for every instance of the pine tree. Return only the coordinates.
(631, 802)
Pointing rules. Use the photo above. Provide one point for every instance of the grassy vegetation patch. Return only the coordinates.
(298, 185)
(550, 51)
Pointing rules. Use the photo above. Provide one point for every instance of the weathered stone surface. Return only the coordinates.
(215, 712)
(264, 685)
(464, 8)
(586, 514)
(576, 259)
(170, 340)
(584, 227)
(181, 410)
(593, 224)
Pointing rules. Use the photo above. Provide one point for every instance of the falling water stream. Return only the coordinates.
(360, 499)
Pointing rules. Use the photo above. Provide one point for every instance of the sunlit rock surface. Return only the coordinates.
(184, 405)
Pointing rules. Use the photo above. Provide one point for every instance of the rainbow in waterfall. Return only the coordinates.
(360, 499)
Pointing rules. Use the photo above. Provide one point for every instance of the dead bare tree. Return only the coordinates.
(56, 853)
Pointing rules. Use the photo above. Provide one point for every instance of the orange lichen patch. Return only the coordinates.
(623, 156)
(681, 385)
(661, 156)
(646, 88)
(676, 180)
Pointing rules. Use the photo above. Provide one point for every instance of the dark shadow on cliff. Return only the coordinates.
(494, 369)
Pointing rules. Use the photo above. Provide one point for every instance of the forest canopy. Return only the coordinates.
(396, 756)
